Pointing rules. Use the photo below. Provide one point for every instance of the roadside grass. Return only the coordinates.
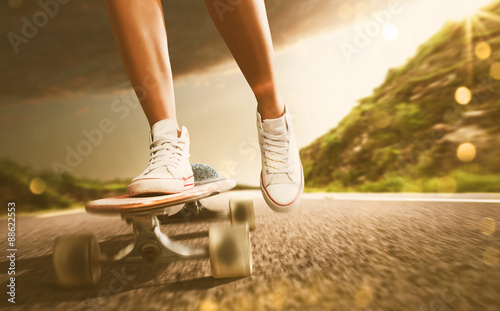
(457, 181)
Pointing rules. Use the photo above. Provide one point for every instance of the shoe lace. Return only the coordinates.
(165, 152)
(275, 149)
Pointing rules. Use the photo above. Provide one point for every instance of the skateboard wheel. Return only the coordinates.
(230, 250)
(242, 212)
(76, 261)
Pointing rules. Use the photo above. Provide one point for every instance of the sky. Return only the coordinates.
(67, 103)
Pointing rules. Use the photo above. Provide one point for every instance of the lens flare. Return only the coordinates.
(14, 4)
(278, 300)
(363, 297)
(495, 71)
(345, 11)
(37, 186)
(208, 304)
(361, 8)
(491, 256)
(413, 187)
(487, 226)
(381, 119)
(483, 50)
(240, 303)
(463, 95)
(466, 152)
(446, 186)
(390, 32)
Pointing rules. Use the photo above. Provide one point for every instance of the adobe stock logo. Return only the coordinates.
(363, 36)
(40, 19)
(221, 7)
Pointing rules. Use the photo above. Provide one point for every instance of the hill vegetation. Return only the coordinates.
(412, 134)
(33, 191)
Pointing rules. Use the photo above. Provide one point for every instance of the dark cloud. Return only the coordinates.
(75, 51)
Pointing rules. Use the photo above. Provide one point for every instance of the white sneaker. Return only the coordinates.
(169, 170)
(281, 178)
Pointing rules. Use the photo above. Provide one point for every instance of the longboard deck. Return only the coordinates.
(128, 204)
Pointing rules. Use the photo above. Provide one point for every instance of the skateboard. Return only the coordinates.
(77, 259)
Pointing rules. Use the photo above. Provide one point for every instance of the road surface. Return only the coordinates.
(337, 252)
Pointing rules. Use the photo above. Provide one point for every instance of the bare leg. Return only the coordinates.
(243, 25)
(139, 30)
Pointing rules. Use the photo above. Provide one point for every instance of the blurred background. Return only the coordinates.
(386, 96)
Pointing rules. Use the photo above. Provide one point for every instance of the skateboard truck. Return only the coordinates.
(151, 244)
(193, 211)
(77, 259)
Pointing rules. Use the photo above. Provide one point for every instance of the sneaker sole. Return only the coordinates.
(282, 208)
(160, 185)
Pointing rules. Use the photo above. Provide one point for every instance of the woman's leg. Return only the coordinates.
(243, 25)
(140, 34)
(139, 30)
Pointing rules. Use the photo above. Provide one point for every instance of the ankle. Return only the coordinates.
(271, 109)
(153, 122)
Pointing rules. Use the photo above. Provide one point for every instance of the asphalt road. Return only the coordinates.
(337, 252)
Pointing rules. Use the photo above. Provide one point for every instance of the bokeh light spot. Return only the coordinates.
(381, 119)
(278, 300)
(37, 185)
(446, 186)
(491, 256)
(463, 95)
(390, 32)
(240, 303)
(14, 4)
(466, 152)
(361, 8)
(495, 71)
(487, 225)
(483, 50)
(345, 11)
(413, 187)
(363, 297)
(208, 304)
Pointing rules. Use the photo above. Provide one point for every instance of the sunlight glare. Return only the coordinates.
(390, 32)
(464, 8)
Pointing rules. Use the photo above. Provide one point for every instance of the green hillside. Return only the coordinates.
(406, 136)
(20, 184)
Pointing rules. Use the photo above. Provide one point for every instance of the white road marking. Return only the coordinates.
(311, 196)
(395, 199)
(60, 213)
